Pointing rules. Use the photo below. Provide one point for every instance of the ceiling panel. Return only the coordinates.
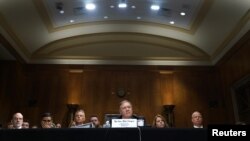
(136, 35)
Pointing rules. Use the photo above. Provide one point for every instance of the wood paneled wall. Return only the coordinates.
(233, 67)
(197, 89)
(34, 89)
(49, 88)
(12, 89)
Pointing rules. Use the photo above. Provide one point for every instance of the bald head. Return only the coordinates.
(197, 119)
(17, 120)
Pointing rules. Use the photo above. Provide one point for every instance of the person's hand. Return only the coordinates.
(46, 125)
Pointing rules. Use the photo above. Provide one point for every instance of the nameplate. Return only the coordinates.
(124, 123)
(86, 125)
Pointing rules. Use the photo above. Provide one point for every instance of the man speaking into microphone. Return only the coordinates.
(126, 111)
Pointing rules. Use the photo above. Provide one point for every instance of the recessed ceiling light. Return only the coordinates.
(72, 21)
(171, 22)
(182, 13)
(122, 5)
(90, 6)
(105, 17)
(133, 7)
(61, 11)
(112, 6)
(155, 7)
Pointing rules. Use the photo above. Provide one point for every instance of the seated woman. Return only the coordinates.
(159, 122)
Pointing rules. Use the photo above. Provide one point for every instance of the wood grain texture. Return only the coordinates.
(233, 67)
(49, 88)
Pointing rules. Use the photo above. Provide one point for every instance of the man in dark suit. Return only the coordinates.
(197, 119)
(126, 111)
(17, 121)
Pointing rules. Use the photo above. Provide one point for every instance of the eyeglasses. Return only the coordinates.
(46, 120)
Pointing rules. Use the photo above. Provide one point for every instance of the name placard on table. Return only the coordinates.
(124, 123)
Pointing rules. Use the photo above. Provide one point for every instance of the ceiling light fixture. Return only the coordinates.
(182, 13)
(122, 4)
(61, 11)
(59, 6)
(155, 7)
(90, 6)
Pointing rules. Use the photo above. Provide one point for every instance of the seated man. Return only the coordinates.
(79, 120)
(10, 125)
(126, 111)
(197, 120)
(17, 121)
(25, 124)
(58, 125)
(94, 119)
(47, 121)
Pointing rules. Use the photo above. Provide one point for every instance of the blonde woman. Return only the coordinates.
(159, 122)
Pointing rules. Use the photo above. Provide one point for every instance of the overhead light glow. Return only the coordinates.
(61, 11)
(90, 6)
(122, 5)
(155, 7)
(171, 22)
(182, 13)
